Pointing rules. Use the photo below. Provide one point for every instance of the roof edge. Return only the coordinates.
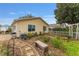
(16, 20)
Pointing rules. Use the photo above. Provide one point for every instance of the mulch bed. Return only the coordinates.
(52, 51)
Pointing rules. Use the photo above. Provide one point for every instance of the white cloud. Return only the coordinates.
(50, 19)
(51, 16)
(6, 21)
(12, 13)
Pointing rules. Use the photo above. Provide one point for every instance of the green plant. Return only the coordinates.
(3, 50)
(40, 33)
(57, 42)
(30, 35)
(64, 13)
(71, 48)
(45, 39)
(35, 34)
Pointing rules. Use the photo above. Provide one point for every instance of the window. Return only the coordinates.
(44, 28)
(31, 27)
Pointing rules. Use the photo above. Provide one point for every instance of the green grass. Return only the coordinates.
(44, 38)
(71, 48)
(3, 50)
(57, 42)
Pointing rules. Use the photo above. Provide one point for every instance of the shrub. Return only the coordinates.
(40, 33)
(3, 50)
(35, 34)
(60, 29)
(44, 39)
(30, 35)
(57, 42)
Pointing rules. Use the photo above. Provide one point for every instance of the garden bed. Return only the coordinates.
(60, 46)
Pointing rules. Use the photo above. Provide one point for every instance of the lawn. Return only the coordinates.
(69, 46)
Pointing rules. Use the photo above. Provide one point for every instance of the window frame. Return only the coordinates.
(31, 28)
(44, 28)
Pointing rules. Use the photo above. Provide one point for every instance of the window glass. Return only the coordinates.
(31, 27)
(44, 28)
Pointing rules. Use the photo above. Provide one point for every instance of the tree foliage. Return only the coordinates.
(67, 13)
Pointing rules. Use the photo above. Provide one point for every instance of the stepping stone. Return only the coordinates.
(27, 48)
(30, 53)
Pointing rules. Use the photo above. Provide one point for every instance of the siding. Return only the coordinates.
(22, 26)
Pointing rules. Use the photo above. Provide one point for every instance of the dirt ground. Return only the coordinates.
(4, 37)
(25, 48)
(54, 51)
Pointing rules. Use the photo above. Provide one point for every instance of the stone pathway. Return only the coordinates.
(21, 47)
(25, 48)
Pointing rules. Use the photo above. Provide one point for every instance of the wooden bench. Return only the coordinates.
(42, 46)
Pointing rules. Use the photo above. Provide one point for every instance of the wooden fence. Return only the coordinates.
(60, 33)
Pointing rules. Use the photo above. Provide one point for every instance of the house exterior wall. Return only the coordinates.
(22, 26)
(0, 28)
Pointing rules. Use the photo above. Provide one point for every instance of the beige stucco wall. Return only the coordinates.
(22, 26)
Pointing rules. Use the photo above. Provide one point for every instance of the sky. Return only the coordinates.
(11, 11)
